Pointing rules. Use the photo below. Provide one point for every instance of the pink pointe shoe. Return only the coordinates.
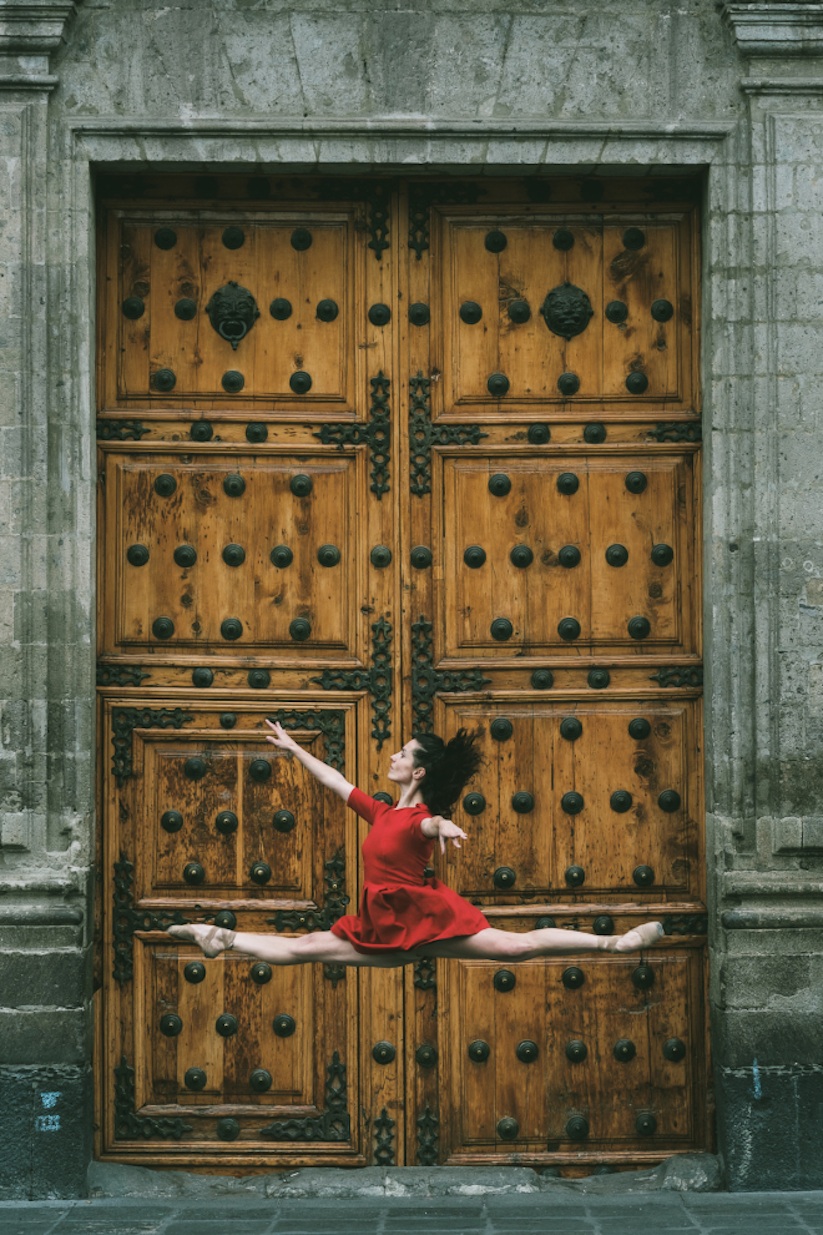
(640, 937)
(212, 940)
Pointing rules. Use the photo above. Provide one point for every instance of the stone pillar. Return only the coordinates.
(768, 978)
(45, 1079)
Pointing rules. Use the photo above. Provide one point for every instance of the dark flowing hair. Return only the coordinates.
(449, 765)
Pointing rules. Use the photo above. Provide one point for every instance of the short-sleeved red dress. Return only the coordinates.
(400, 909)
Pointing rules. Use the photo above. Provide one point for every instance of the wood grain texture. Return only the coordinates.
(424, 372)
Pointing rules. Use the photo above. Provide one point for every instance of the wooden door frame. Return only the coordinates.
(694, 150)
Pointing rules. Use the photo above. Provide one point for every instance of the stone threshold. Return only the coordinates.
(683, 1173)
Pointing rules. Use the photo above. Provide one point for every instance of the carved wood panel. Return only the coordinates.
(574, 1055)
(226, 553)
(537, 310)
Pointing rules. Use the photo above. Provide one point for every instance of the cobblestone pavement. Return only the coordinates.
(762, 1213)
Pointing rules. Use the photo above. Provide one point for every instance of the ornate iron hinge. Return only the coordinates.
(685, 923)
(425, 974)
(376, 434)
(128, 1125)
(126, 720)
(334, 1124)
(127, 920)
(678, 675)
(427, 1136)
(120, 430)
(120, 675)
(377, 680)
(428, 681)
(677, 431)
(384, 1127)
(424, 434)
(334, 905)
(423, 196)
(377, 196)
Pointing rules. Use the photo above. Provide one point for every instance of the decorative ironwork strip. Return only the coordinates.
(331, 725)
(677, 431)
(427, 1137)
(376, 434)
(333, 1124)
(128, 1125)
(127, 920)
(423, 196)
(334, 973)
(377, 680)
(334, 905)
(423, 434)
(678, 675)
(377, 196)
(428, 681)
(120, 430)
(425, 974)
(685, 924)
(384, 1127)
(126, 720)
(121, 675)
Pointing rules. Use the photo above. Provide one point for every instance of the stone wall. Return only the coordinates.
(733, 90)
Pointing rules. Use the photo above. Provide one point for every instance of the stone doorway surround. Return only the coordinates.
(763, 328)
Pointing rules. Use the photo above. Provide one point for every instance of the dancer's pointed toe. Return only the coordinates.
(643, 936)
(212, 940)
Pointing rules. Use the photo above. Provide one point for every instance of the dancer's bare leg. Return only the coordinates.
(493, 944)
(320, 946)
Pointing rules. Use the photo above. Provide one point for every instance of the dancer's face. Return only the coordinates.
(401, 766)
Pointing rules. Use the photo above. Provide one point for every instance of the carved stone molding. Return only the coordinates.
(772, 28)
(32, 27)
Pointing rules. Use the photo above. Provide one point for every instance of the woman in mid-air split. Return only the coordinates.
(405, 916)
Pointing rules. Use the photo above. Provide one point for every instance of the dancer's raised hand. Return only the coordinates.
(327, 775)
(279, 737)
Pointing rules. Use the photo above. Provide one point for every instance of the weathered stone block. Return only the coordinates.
(50, 1111)
(44, 1036)
(762, 1150)
(775, 1036)
(58, 979)
(749, 982)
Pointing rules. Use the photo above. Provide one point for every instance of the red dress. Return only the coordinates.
(400, 910)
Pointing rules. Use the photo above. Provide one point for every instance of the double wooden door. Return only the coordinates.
(382, 458)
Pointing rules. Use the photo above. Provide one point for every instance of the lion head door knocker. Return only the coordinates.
(232, 312)
(567, 310)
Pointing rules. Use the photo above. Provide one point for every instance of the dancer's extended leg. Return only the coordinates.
(280, 950)
(493, 944)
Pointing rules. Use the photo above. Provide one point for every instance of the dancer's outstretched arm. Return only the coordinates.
(330, 777)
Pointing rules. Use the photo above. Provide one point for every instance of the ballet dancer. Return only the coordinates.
(405, 916)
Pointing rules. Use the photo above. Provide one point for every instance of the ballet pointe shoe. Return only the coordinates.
(212, 940)
(639, 937)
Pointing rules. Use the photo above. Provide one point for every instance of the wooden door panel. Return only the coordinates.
(634, 805)
(208, 1040)
(538, 541)
(304, 279)
(574, 1039)
(577, 310)
(229, 794)
(265, 543)
(177, 772)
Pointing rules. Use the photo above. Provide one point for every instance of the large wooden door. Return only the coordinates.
(377, 459)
